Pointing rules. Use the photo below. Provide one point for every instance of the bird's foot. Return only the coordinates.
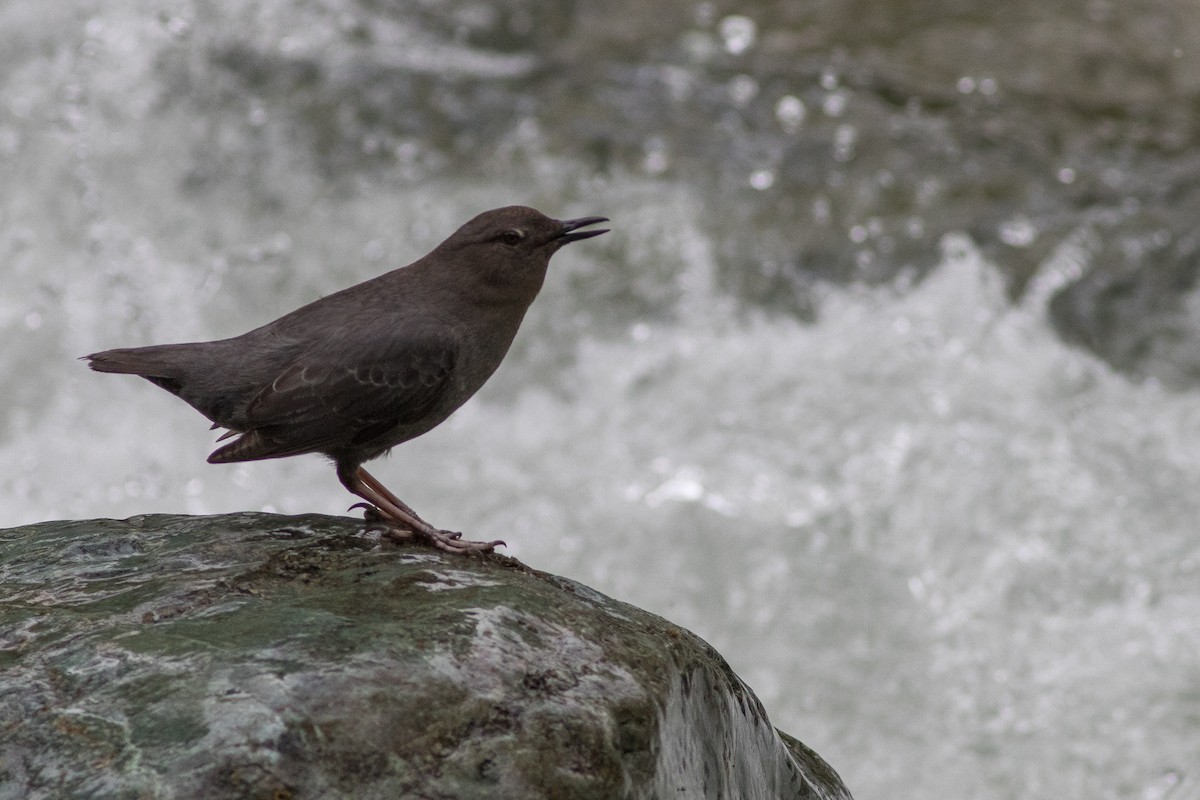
(452, 542)
(446, 541)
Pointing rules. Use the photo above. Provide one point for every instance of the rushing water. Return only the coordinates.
(811, 398)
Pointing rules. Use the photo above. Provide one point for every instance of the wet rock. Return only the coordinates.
(262, 656)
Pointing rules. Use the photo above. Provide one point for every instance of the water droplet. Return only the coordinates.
(790, 112)
(834, 104)
(762, 179)
(738, 32)
(1018, 232)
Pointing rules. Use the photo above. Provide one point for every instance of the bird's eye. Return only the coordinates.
(513, 237)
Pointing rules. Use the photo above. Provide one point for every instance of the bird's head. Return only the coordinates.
(506, 250)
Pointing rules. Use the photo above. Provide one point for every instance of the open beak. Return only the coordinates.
(570, 229)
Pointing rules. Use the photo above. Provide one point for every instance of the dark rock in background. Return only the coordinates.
(260, 656)
(835, 141)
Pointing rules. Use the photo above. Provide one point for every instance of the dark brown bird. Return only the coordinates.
(358, 372)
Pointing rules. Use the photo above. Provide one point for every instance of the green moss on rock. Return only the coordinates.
(255, 655)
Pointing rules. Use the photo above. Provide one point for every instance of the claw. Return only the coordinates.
(452, 542)
(370, 513)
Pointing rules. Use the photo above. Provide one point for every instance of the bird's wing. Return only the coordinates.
(344, 393)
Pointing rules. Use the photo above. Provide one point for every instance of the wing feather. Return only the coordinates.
(345, 394)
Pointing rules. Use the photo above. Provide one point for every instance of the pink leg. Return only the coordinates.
(392, 509)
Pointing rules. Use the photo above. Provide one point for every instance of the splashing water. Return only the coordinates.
(923, 512)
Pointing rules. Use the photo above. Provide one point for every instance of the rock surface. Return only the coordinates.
(261, 656)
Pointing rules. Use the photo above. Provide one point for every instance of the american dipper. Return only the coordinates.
(358, 372)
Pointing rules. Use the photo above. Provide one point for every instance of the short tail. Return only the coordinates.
(145, 361)
(163, 364)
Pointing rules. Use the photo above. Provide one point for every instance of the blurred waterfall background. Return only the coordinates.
(886, 382)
